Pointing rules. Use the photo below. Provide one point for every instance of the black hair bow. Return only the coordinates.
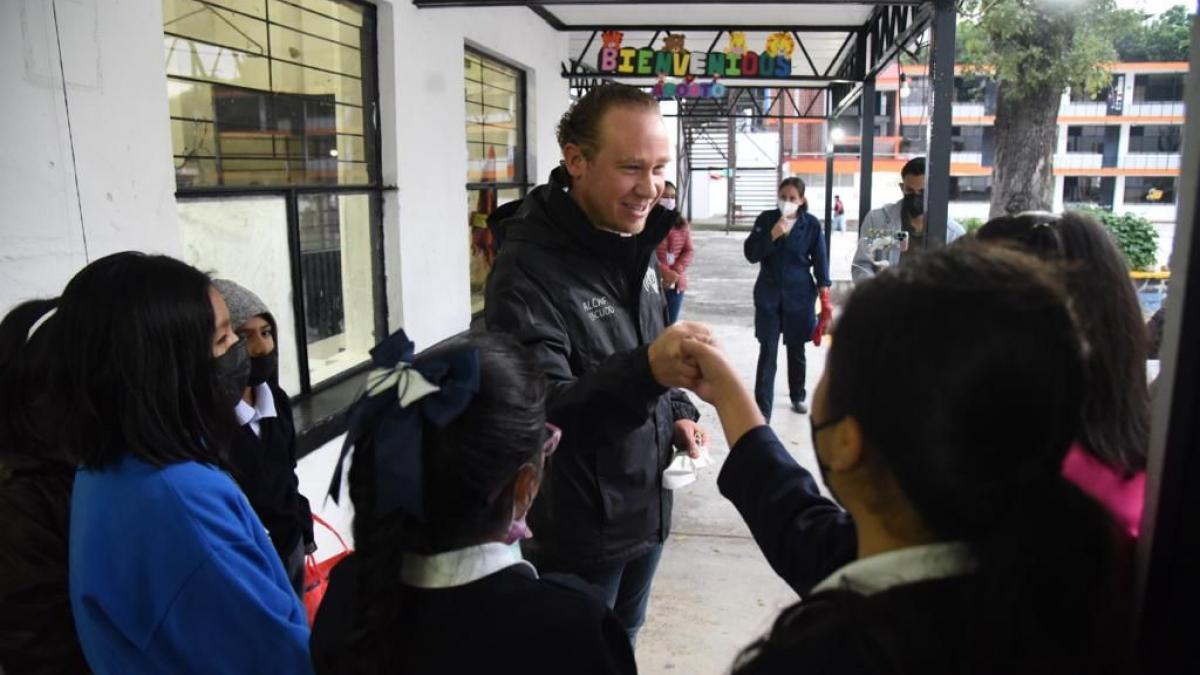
(401, 398)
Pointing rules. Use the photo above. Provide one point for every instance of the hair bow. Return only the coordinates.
(401, 399)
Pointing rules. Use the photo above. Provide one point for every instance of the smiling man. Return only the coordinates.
(574, 283)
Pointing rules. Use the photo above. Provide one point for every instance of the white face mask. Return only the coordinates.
(788, 208)
(667, 203)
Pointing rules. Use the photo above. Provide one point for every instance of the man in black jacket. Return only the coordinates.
(574, 283)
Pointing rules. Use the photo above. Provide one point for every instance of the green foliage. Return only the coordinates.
(971, 224)
(1135, 236)
(1031, 46)
(1164, 38)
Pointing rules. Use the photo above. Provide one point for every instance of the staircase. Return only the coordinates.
(754, 192)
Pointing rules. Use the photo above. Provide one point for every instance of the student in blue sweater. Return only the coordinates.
(170, 569)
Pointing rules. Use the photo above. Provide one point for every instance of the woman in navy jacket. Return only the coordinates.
(788, 243)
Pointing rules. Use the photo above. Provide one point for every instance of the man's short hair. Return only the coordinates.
(914, 167)
(581, 124)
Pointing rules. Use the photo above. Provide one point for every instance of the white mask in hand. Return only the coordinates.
(788, 208)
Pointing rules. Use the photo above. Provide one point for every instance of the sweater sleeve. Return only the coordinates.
(622, 385)
(759, 244)
(818, 254)
(233, 616)
(804, 536)
(863, 267)
(685, 254)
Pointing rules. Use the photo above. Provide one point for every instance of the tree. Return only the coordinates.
(1164, 38)
(1034, 50)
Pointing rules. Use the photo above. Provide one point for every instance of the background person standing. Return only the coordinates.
(674, 256)
(789, 247)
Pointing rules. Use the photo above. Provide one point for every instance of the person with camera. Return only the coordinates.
(888, 235)
(788, 245)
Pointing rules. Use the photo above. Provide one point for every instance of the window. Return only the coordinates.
(969, 89)
(1088, 190)
(970, 188)
(1154, 139)
(1150, 190)
(495, 107)
(1158, 87)
(913, 138)
(1080, 95)
(272, 106)
(967, 139)
(1088, 139)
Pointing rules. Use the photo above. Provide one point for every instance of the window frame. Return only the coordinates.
(291, 194)
(1139, 93)
(520, 182)
(1158, 136)
(1173, 201)
(1081, 135)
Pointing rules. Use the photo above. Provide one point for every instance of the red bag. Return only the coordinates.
(316, 574)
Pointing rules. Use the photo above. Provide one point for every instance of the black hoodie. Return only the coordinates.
(588, 303)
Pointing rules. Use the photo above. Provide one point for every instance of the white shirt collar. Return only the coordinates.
(881, 572)
(264, 406)
(460, 567)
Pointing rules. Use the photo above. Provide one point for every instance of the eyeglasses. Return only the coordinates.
(552, 441)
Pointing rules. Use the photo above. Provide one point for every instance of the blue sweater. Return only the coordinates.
(171, 572)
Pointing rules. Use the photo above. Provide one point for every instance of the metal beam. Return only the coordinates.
(870, 57)
(701, 27)
(866, 150)
(433, 4)
(1168, 550)
(550, 18)
(937, 161)
(828, 184)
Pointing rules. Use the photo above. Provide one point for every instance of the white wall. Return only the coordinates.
(430, 281)
(114, 143)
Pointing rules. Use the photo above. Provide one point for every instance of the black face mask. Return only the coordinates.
(233, 373)
(914, 205)
(262, 368)
(824, 468)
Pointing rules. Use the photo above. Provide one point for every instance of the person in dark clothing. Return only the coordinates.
(788, 245)
(37, 631)
(263, 451)
(965, 549)
(574, 282)
(442, 477)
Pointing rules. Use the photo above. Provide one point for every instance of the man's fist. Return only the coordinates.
(667, 362)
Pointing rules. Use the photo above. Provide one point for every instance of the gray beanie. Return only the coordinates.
(243, 304)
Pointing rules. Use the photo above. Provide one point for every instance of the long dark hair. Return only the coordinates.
(982, 340)
(137, 371)
(26, 411)
(470, 466)
(1116, 417)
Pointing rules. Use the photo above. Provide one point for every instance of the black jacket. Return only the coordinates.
(589, 303)
(804, 536)
(506, 622)
(37, 631)
(265, 469)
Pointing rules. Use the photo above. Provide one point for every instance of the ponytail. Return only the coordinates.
(25, 370)
(1046, 583)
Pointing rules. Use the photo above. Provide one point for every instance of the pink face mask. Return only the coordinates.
(518, 531)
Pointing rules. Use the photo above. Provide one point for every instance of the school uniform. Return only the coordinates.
(482, 609)
(172, 572)
(262, 458)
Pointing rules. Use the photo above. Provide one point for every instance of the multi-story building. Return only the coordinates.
(1119, 149)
